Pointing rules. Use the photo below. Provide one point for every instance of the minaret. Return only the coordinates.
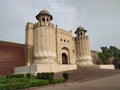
(44, 39)
(83, 48)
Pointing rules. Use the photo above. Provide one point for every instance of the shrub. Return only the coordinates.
(38, 82)
(13, 86)
(47, 76)
(44, 75)
(9, 76)
(21, 83)
(18, 75)
(58, 80)
(17, 80)
(4, 81)
(50, 76)
(28, 75)
(65, 75)
(15, 76)
(105, 62)
(39, 76)
(2, 77)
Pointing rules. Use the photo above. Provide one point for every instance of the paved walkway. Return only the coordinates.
(109, 83)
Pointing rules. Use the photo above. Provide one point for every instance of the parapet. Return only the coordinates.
(59, 30)
(29, 25)
(38, 24)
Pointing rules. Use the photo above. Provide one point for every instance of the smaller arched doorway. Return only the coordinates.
(64, 58)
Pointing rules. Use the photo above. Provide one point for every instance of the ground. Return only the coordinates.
(85, 74)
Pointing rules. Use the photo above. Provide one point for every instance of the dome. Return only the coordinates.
(44, 12)
(80, 28)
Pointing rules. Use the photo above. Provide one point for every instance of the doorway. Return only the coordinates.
(64, 59)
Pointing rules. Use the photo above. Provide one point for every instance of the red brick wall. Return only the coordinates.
(11, 55)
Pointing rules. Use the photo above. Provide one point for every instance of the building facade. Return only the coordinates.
(46, 43)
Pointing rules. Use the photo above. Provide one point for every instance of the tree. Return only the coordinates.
(102, 57)
(106, 53)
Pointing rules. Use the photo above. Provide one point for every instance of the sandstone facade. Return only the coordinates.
(47, 43)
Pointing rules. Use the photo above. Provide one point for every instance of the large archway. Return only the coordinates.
(64, 58)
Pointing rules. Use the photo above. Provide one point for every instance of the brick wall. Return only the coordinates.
(11, 55)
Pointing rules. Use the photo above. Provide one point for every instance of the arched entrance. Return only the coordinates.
(64, 58)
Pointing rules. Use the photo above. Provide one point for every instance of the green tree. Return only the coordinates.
(106, 53)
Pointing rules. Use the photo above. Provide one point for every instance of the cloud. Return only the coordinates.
(63, 11)
(100, 17)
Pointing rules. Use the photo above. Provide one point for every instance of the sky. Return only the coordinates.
(101, 18)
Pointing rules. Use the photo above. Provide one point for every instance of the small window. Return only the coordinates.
(47, 19)
(68, 41)
(43, 19)
(61, 39)
(64, 40)
(81, 33)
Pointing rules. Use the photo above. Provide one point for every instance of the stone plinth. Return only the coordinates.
(99, 66)
(44, 68)
(105, 66)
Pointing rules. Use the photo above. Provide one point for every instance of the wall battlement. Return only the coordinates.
(47, 24)
(59, 30)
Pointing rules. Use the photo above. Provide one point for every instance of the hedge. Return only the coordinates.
(22, 85)
(57, 80)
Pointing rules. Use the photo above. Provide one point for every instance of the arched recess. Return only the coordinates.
(65, 55)
(64, 58)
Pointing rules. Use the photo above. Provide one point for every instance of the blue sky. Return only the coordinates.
(100, 17)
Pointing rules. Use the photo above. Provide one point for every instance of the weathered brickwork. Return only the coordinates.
(11, 56)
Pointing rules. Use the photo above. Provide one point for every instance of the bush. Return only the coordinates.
(39, 76)
(65, 75)
(9, 76)
(105, 62)
(28, 75)
(17, 80)
(47, 76)
(3, 80)
(50, 76)
(58, 80)
(15, 76)
(38, 82)
(21, 83)
(13, 86)
(2, 77)
(44, 75)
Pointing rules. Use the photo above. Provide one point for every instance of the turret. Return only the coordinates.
(44, 39)
(83, 47)
(80, 33)
(44, 16)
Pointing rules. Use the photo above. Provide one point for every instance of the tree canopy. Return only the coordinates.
(107, 53)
